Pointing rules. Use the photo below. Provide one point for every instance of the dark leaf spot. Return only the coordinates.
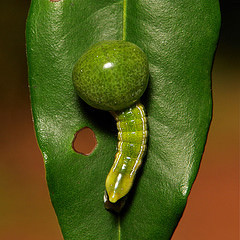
(84, 141)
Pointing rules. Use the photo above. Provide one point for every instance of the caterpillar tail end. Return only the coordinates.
(114, 206)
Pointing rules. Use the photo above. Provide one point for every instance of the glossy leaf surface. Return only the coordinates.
(179, 38)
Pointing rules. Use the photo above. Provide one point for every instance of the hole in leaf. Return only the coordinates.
(84, 141)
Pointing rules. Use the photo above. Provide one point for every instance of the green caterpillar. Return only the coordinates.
(112, 76)
(132, 140)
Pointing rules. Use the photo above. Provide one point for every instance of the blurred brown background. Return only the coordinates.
(25, 210)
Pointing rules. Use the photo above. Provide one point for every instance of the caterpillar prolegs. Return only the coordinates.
(132, 140)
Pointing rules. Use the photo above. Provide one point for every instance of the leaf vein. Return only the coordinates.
(124, 19)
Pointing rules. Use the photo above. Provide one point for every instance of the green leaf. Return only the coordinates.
(179, 38)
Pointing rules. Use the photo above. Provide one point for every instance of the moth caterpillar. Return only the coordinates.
(112, 76)
(132, 140)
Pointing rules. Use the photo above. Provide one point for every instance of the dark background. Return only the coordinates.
(26, 213)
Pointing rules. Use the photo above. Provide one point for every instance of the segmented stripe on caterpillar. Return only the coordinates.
(132, 139)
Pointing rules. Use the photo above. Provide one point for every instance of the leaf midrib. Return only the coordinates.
(124, 19)
(123, 38)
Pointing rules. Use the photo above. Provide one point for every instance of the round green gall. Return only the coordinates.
(111, 75)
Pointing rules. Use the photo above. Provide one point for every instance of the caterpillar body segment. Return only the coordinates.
(132, 140)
